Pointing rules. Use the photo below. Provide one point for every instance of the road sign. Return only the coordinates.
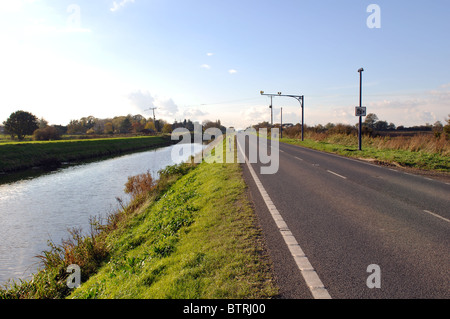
(360, 111)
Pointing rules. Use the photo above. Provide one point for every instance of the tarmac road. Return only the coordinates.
(346, 215)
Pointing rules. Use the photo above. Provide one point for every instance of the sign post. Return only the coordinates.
(360, 109)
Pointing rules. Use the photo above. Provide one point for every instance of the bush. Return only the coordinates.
(46, 134)
(139, 184)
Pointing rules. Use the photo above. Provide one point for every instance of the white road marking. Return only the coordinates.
(438, 216)
(336, 174)
(300, 159)
(310, 276)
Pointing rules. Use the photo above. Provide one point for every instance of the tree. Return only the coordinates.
(438, 128)
(125, 126)
(21, 123)
(76, 127)
(43, 123)
(137, 127)
(381, 126)
(150, 126)
(167, 128)
(447, 127)
(370, 120)
(108, 128)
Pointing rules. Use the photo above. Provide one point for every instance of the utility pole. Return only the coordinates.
(300, 99)
(154, 116)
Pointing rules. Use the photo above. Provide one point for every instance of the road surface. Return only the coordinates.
(365, 231)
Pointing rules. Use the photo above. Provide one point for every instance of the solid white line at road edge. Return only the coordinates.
(310, 276)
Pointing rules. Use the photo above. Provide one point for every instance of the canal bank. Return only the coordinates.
(194, 235)
(16, 157)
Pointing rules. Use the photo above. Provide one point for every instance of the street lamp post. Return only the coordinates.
(271, 111)
(361, 70)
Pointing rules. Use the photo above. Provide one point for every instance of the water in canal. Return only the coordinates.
(38, 209)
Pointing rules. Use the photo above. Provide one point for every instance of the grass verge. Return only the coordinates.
(192, 236)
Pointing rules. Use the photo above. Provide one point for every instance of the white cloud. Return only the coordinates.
(232, 71)
(255, 114)
(429, 107)
(194, 113)
(209, 54)
(143, 101)
(116, 6)
(167, 107)
(205, 66)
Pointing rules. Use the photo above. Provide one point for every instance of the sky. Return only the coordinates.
(209, 59)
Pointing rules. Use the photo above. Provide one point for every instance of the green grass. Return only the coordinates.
(405, 158)
(193, 236)
(18, 156)
(198, 241)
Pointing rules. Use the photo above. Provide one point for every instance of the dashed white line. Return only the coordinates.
(300, 159)
(438, 216)
(310, 276)
(331, 172)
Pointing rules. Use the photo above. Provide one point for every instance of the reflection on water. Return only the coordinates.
(39, 209)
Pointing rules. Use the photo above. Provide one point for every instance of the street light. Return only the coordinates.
(360, 71)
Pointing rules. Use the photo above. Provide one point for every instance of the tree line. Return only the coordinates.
(21, 123)
(371, 126)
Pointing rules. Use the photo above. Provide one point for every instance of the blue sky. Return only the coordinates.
(209, 59)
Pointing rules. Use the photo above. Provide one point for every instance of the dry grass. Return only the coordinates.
(140, 184)
(421, 142)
